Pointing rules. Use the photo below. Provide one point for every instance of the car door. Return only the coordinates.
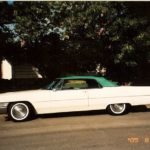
(69, 95)
(95, 95)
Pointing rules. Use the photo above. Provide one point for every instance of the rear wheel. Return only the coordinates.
(117, 109)
(19, 111)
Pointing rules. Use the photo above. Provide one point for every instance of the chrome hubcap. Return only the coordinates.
(19, 111)
(117, 108)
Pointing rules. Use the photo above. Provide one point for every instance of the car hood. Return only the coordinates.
(21, 95)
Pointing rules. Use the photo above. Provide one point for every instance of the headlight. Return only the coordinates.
(3, 104)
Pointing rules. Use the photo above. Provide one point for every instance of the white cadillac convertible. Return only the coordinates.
(74, 93)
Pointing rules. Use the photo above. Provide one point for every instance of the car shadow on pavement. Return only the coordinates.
(71, 114)
(66, 114)
(141, 108)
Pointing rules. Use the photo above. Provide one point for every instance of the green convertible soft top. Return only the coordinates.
(103, 81)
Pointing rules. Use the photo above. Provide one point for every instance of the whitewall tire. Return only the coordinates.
(19, 111)
(117, 109)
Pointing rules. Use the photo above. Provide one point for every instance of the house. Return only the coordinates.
(9, 70)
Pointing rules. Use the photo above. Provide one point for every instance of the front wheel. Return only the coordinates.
(19, 111)
(117, 109)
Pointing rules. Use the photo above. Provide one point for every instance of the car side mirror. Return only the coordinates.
(54, 90)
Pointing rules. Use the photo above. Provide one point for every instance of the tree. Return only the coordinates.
(81, 35)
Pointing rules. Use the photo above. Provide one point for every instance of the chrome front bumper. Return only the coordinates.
(3, 107)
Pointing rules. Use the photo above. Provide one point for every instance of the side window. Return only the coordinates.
(75, 84)
(93, 84)
(80, 84)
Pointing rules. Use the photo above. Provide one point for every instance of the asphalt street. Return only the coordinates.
(94, 130)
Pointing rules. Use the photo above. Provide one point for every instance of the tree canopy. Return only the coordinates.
(63, 37)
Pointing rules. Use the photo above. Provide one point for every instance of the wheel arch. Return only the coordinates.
(128, 104)
(23, 101)
(126, 110)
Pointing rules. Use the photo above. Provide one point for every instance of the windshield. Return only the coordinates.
(52, 85)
